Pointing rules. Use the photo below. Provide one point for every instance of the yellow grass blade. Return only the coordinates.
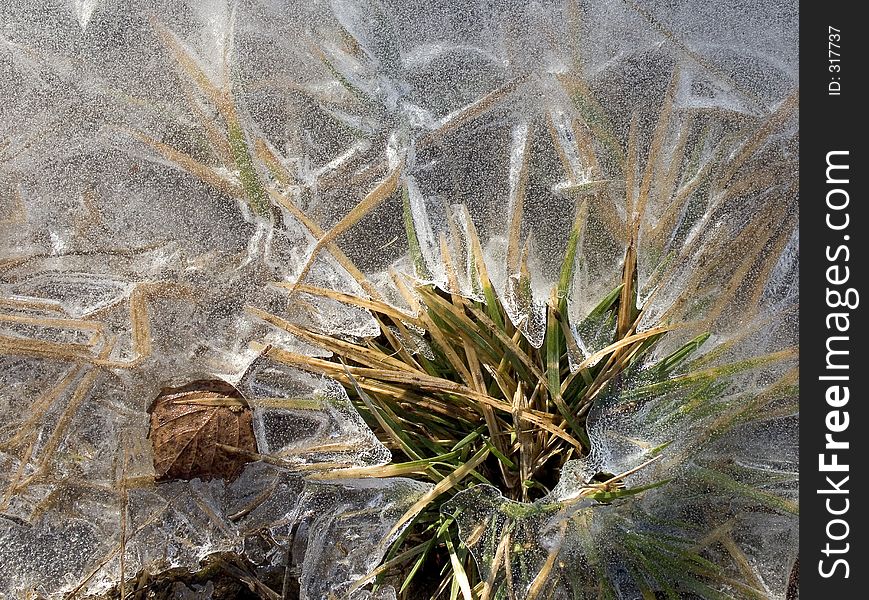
(443, 486)
(371, 201)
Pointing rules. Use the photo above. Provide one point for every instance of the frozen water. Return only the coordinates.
(170, 170)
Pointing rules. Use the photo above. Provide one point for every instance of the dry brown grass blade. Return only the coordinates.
(404, 289)
(139, 321)
(79, 395)
(752, 239)
(471, 359)
(658, 138)
(625, 316)
(772, 124)
(123, 508)
(32, 303)
(441, 487)
(631, 176)
(17, 476)
(189, 164)
(742, 562)
(390, 470)
(395, 340)
(371, 201)
(502, 551)
(472, 111)
(56, 323)
(375, 306)
(216, 137)
(669, 35)
(367, 356)
(40, 349)
(40, 406)
(543, 576)
(666, 223)
(317, 232)
(269, 157)
(189, 65)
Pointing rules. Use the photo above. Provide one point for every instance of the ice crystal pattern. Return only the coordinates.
(168, 166)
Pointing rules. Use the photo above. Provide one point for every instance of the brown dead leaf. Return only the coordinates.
(203, 429)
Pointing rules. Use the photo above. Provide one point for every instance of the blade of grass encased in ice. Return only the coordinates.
(317, 232)
(471, 111)
(502, 553)
(654, 157)
(742, 562)
(187, 163)
(771, 124)
(189, 65)
(672, 361)
(721, 480)
(389, 427)
(542, 577)
(448, 483)
(372, 200)
(608, 302)
(592, 113)
(375, 306)
(254, 191)
(213, 133)
(222, 100)
(349, 350)
(269, 157)
(422, 271)
(609, 496)
(492, 303)
(356, 91)
(568, 266)
(747, 93)
(710, 374)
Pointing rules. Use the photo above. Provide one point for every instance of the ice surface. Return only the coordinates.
(139, 142)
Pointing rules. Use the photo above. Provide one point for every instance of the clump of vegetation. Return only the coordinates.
(478, 404)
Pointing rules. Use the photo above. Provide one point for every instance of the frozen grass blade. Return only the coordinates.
(371, 201)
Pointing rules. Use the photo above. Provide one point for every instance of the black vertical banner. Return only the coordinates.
(834, 431)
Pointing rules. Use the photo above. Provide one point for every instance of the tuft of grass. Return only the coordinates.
(486, 407)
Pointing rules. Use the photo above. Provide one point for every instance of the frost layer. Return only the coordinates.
(140, 143)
